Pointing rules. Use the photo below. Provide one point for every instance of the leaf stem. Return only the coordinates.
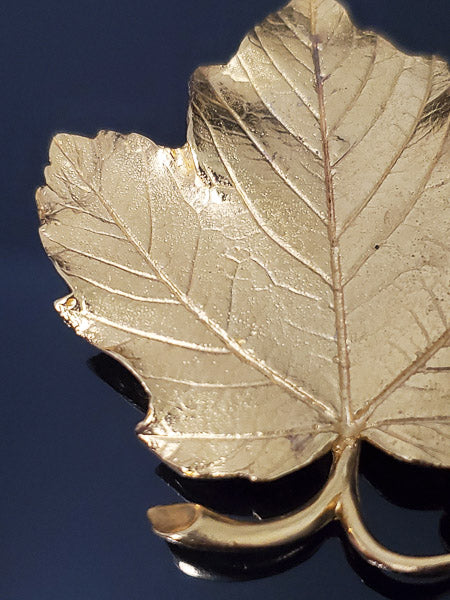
(197, 527)
(348, 513)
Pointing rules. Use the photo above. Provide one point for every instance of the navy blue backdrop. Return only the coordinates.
(75, 482)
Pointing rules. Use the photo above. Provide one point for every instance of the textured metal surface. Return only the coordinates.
(280, 283)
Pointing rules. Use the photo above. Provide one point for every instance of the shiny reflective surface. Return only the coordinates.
(277, 264)
(259, 281)
(73, 510)
(404, 485)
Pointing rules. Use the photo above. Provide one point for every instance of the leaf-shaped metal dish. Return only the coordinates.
(280, 283)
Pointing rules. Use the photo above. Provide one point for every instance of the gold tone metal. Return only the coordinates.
(194, 526)
(279, 283)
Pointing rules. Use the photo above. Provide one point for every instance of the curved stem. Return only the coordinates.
(198, 527)
(195, 526)
(348, 512)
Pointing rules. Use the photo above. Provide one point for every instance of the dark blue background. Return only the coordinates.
(75, 482)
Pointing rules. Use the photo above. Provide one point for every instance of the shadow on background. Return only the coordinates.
(405, 485)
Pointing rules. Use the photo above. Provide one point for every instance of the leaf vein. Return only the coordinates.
(271, 234)
(396, 157)
(270, 160)
(231, 344)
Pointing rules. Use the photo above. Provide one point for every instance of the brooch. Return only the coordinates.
(279, 284)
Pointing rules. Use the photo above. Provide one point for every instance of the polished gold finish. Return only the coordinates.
(280, 283)
(197, 527)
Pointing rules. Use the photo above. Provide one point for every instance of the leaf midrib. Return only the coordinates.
(335, 258)
(361, 417)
